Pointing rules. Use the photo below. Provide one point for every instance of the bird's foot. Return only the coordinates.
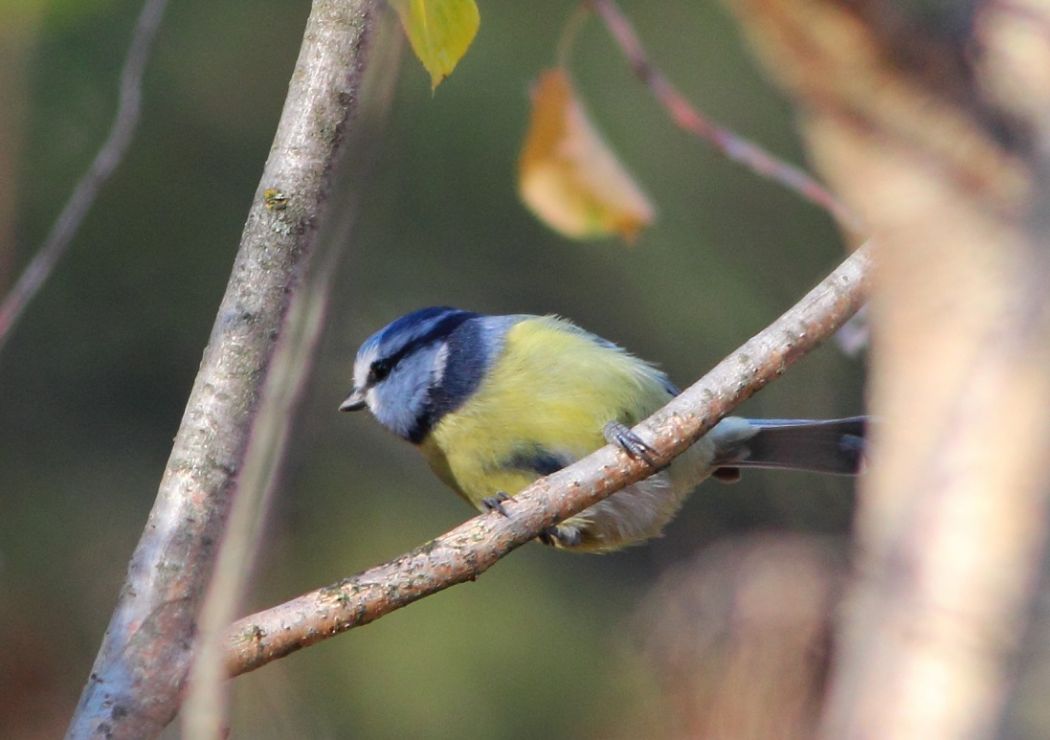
(619, 434)
(560, 536)
(495, 503)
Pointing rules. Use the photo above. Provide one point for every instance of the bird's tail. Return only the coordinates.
(823, 446)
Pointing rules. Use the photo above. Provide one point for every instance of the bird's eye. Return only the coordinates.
(379, 370)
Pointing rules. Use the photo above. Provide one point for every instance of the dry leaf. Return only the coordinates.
(567, 174)
(440, 32)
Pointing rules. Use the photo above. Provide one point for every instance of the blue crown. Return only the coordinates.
(410, 332)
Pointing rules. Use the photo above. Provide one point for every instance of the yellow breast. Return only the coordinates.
(547, 396)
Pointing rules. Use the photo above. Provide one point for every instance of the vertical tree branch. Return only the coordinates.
(938, 140)
(205, 710)
(134, 686)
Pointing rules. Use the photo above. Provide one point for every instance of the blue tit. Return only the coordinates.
(496, 402)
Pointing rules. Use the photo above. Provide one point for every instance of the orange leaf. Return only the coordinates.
(568, 176)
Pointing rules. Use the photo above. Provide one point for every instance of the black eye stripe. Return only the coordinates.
(383, 366)
(379, 370)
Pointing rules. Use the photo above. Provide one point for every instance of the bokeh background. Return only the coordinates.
(93, 382)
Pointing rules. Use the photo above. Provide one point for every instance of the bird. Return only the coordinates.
(497, 402)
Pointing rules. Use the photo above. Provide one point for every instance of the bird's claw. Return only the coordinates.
(495, 503)
(619, 434)
(564, 536)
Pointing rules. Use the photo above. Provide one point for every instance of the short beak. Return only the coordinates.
(354, 402)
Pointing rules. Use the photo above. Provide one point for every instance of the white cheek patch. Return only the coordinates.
(440, 362)
(372, 399)
(400, 400)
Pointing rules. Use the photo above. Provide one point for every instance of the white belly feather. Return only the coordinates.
(640, 511)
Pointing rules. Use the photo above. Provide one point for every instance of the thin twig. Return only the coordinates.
(106, 161)
(688, 118)
(569, 31)
(470, 549)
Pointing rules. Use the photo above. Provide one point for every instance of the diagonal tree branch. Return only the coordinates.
(135, 684)
(106, 161)
(472, 548)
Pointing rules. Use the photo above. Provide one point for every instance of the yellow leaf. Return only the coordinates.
(440, 32)
(567, 174)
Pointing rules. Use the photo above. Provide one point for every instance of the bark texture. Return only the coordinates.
(134, 686)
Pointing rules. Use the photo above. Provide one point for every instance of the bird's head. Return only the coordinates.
(403, 375)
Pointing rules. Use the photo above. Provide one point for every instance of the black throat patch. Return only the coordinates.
(465, 365)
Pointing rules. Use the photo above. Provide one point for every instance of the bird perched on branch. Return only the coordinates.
(496, 402)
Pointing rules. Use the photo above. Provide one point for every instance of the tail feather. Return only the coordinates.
(826, 446)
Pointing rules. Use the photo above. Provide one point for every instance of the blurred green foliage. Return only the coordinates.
(93, 383)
